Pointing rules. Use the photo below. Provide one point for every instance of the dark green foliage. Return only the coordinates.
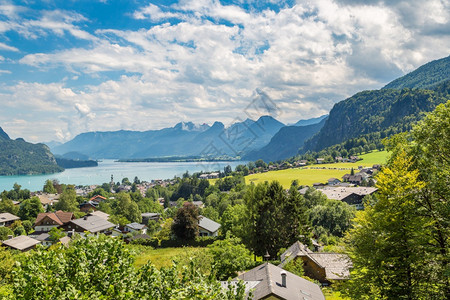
(426, 76)
(30, 208)
(70, 163)
(4, 232)
(185, 223)
(230, 256)
(18, 157)
(334, 216)
(275, 218)
(48, 187)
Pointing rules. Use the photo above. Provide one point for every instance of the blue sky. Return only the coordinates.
(68, 67)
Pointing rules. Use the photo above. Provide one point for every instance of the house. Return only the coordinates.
(209, 175)
(324, 267)
(88, 206)
(97, 198)
(135, 228)
(320, 160)
(45, 240)
(100, 214)
(350, 195)
(6, 219)
(199, 204)
(46, 221)
(356, 179)
(22, 243)
(48, 199)
(271, 282)
(333, 181)
(146, 217)
(92, 224)
(207, 227)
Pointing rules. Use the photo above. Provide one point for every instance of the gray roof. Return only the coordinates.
(337, 266)
(297, 249)
(93, 224)
(269, 277)
(100, 214)
(136, 226)
(339, 193)
(7, 217)
(21, 242)
(43, 237)
(150, 215)
(208, 224)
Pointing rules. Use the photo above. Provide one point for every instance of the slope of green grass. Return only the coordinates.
(317, 173)
(161, 257)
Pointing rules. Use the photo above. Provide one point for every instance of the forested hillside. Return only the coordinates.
(376, 114)
(18, 157)
(428, 75)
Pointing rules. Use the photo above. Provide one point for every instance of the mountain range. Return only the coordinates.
(17, 157)
(362, 119)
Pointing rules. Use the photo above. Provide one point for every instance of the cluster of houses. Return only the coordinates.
(268, 281)
(94, 223)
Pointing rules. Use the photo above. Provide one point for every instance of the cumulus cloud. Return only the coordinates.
(206, 61)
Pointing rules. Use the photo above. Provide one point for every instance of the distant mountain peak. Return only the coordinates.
(3, 134)
(190, 126)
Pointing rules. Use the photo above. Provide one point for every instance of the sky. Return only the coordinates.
(73, 66)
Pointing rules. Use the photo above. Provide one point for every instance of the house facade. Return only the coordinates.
(6, 219)
(207, 227)
(46, 221)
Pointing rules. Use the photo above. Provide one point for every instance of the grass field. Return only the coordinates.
(161, 257)
(317, 173)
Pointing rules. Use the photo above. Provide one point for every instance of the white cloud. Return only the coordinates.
(207, 65)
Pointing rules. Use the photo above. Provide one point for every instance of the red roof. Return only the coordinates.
(97, 198)
(60, 217)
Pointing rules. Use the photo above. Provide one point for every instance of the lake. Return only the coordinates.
(101, 174)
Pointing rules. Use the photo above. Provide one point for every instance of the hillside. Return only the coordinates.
(18, 157)
(184, 139)
(428, 75)
(286, 142)
(380, 113)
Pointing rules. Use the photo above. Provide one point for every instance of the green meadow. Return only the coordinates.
(317, 173)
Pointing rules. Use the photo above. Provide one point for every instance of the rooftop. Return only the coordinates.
(93, 224)
(7, 217)
(208, 224)
(21, 242)
(270, 283)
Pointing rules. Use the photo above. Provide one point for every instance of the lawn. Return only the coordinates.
(161, 257)
(317, 173)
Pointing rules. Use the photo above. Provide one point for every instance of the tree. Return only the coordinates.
(233, 221)
(48, 187)
(30, 208)
(102, 268)
(185, 223)
(386, 245)
(19, 230)
(28, 226)
(127, 208)
(68, 200)
(230, 256)
(275, 219)
(5, 232)
(56, 234)
(7, 205)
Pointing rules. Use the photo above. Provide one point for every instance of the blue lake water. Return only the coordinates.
(106, 168)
